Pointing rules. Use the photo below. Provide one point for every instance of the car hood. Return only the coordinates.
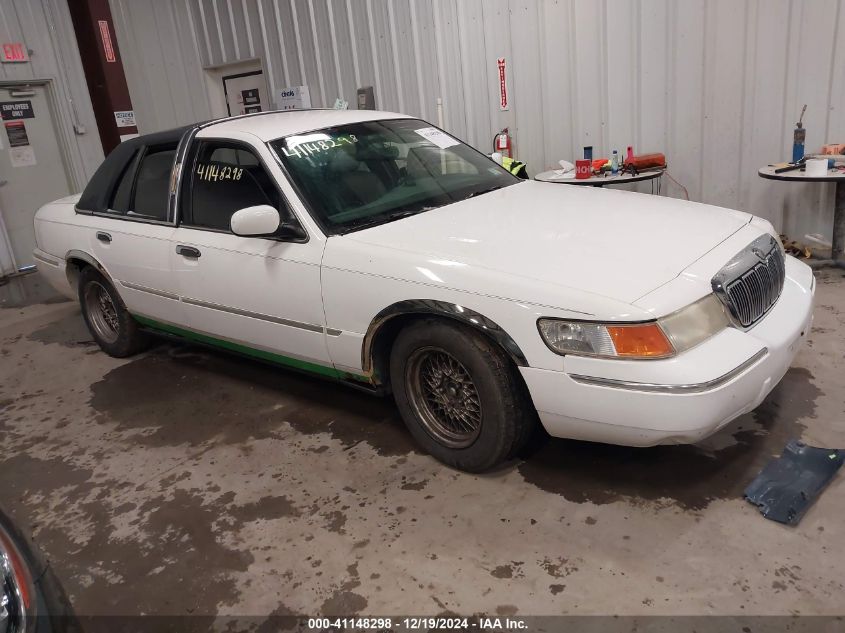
(617, 244)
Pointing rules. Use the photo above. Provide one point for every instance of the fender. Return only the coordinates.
(453, 311)
(88, 259)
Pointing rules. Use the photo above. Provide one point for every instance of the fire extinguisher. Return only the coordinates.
(502, 143)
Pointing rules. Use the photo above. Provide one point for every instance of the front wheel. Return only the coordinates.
(107, 318)
(459, 395)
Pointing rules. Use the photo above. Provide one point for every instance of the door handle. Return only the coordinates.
(104, 237)
(188, 251)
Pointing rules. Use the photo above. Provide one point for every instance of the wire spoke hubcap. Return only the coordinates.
(444, 397)
(102, 312)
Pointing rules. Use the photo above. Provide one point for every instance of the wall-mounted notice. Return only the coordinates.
(501, 67)
(13, 53)
(105, 36)
(16, 131)
(125, 118)
(22, 156)
(11, 110)
(250, 97)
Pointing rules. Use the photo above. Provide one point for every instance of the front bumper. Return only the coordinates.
(683, 399)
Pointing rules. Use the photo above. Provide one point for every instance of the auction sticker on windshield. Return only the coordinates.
(301, 148)
(438, 137)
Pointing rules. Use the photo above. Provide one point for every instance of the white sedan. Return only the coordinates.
(378, 250)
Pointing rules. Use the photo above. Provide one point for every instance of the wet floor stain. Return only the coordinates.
(344, 603)
(559, 567)
(508, 571)
(69, 331)
(268, 507)
(27, 290)
(154, 570)
(279, 620)
(203, 395)
(688, 476)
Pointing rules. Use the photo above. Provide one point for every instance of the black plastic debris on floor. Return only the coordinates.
(789, 484)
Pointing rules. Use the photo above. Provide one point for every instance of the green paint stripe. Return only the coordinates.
(249, 351)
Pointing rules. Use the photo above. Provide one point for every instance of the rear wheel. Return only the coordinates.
(460, 395)
(107, 318)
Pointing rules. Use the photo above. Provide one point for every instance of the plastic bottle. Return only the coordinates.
(798, 137)
(614, 163)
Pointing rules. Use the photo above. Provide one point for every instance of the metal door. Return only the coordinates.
(245, 93)
(32, 172)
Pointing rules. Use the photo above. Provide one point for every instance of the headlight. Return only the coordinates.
(696, 323)
(628, 340)
(663, 338)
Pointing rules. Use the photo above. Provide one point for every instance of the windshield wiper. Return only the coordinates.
(384, 219)
(483, 191)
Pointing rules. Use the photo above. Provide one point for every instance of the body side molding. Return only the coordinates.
(446, 309)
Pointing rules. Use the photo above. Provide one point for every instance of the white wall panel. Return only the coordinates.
(527, 81)
(450, 67)
(715, 84)
(556, 57)
(588, 68)
(425, 65)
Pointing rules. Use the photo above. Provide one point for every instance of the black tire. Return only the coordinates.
(53, 611)
(114, 329)
(439, 371)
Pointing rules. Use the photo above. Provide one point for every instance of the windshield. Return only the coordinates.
(364, 174)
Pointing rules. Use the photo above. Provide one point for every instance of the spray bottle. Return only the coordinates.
(798, 137)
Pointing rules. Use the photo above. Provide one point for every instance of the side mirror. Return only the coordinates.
(254, 221)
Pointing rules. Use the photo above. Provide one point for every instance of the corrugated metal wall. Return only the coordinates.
(44, 26)
(715, 84)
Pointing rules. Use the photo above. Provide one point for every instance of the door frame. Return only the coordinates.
(223, 79)
(63, 141)
(64, 135)
(214, 82)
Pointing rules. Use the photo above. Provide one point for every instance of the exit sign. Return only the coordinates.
(13, 53)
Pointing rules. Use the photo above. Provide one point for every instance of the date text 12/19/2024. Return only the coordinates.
(478, 623)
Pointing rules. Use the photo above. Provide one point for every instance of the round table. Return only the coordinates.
(797, 175)
(599, 181)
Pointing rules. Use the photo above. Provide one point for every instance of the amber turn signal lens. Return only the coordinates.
(644, 341)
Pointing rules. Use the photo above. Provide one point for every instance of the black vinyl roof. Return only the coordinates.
(98, 192)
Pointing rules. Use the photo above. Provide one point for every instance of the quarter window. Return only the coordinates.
(143, 189)
(152, 183)
(227, 177)
(123, 194)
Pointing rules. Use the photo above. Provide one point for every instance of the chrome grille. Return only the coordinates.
(750, 284)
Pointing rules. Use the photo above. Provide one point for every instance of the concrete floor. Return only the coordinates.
(185, 481)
